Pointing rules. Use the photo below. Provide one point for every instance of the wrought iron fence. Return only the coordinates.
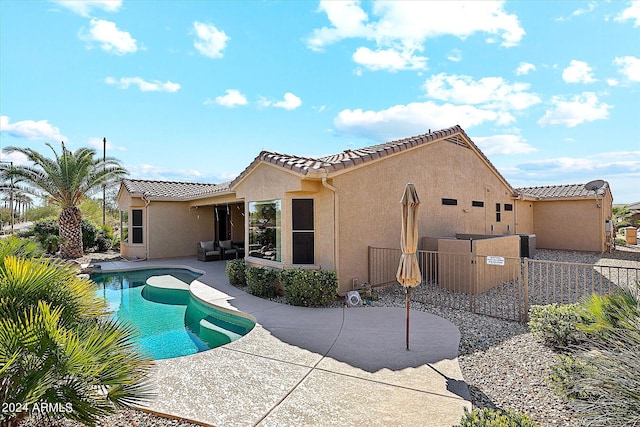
(501, 287)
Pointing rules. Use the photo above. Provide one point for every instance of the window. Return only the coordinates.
(136, 226)
(450, 202)
(302, 231)
(124, 226)
(131, 228)
(508, 207)
(477, 204)
(497, 212)
(264, 230)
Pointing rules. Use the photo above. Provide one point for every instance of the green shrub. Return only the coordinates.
(565, 373)
(309, 288)
(555, 325)
(47, 233)
(235, 270)
(262, 281)
(486, 417)
(603, 314)
(621, 241)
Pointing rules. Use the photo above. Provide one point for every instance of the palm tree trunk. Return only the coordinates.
(70, 222)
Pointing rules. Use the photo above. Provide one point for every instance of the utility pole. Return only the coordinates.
(104, 187)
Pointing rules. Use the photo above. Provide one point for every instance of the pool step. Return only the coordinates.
(215, 332)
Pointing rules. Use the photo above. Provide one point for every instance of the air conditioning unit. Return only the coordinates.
(353, 299)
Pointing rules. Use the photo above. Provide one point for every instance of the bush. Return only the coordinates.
(486, 417)
(309, 288)
(600, 378)
(235, 270)
(555, 325)
(47, 233)
(262, 281)
(103, 243)
(564, 374)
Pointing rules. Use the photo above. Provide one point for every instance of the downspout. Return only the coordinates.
(336, 216)
(147, 202)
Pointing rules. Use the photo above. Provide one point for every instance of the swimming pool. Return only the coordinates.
(170, 320)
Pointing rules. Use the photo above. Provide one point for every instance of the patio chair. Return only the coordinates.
(207, 251)
(228, 250)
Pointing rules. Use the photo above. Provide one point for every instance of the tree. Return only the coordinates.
(65, 181)
(622, 216)
(58, 345)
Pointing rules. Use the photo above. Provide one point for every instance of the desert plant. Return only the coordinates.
(58, 346)
(66, 180)
(486, 417)
(309, 288)
(565, 373)
(555, 325)
(235, 270)
(262, 281)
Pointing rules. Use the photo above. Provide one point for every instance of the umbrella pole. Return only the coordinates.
(408, 306)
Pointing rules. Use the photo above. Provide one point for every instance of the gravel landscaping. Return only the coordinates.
(503, 365)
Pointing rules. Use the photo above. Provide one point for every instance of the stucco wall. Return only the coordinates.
(369, 201)
(266, 182)
(174, 229)
(569, 224)
(524, 212)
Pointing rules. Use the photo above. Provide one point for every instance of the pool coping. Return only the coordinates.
(305, 366)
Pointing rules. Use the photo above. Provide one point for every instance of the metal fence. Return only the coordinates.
(501, 287)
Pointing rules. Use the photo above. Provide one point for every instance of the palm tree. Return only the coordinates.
(65, 181)
(58, 345)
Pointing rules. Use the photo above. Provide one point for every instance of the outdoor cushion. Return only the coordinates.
(207, 246)
(225, 244)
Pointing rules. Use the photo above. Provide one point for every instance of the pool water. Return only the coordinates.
(170, 322)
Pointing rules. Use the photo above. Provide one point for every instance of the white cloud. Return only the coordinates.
(210, 41)
(577, 110)
(232, 98)
(290, 102)
(403, 28)
(84, 7)
(455, 55)
(143, 85)
(629, 67)
(31, 130)
(632, 13)
(613, 82)
(109, 37)
(389, 59)
(413, 119)
(578, 72)
(524, 68)
(492, 92)
(503, 144)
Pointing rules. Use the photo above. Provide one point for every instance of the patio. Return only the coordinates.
(305, 366)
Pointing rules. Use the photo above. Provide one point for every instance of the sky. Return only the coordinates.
(192, 91)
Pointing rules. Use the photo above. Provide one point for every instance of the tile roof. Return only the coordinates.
(172, 190)
(350, 158)
(634, 206)
(559, 191)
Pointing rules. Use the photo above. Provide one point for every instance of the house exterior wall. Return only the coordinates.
(369, 201)
(170, 229)
(524, 214)
(173, 229)
(266, 182)
(572, 224)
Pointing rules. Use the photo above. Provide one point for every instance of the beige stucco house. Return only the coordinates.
(325, 212)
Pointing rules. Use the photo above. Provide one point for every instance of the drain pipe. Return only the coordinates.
(336, 217)
(146, 234)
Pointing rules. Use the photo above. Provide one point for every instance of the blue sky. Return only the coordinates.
(194, 90)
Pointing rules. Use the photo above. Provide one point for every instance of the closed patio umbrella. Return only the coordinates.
(408, 274)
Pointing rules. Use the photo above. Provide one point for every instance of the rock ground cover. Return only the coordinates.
(503, 365)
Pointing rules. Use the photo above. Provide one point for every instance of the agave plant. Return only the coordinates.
(58, 346)
(65, 181)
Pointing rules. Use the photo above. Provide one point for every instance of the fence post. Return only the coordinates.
(369, 263)
(526, 288)
(473, 286)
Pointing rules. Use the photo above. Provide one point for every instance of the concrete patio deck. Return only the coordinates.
(305, 366)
